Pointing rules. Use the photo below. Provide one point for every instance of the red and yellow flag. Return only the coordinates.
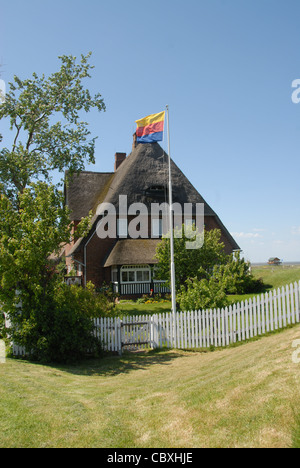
(150, 128)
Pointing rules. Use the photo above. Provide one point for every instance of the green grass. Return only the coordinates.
(273, 277)
(277, 276)
(296, 433)
(238, 397)
(246, 396)
(133, 308)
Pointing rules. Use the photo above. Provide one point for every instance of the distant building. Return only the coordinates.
(274, 261)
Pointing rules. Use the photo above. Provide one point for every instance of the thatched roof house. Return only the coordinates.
(143, 178)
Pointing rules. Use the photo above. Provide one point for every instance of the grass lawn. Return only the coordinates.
(247, 396)
(132, 308)
(277, 276)
(273, 277)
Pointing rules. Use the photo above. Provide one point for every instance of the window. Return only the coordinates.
(128, 276)
(143, 276)
(157, 192)
(135, 274)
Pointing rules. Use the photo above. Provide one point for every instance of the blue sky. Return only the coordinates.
(224, 67)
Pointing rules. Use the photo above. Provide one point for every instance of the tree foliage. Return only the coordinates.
(205, 276)
(45, 119)
(48, 136)
(201, 294)
(29, 235)
(189, 263)
(59, 327)
(235, 276)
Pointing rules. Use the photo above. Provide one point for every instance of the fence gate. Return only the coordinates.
(136, 334)
(129, 333)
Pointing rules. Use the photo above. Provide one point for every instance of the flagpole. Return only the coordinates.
(173, 291)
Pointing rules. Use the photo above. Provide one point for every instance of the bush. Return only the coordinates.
(201, 294)
(61, 328)
(235, 276)
(94, 304)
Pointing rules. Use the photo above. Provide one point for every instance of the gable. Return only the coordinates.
(143, 178)
(145, 170)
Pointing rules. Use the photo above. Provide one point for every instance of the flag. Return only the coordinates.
(150, 128)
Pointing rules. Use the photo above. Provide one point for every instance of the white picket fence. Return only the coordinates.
(204, 328)
(200, 329)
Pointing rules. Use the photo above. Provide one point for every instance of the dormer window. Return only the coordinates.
(157, 192)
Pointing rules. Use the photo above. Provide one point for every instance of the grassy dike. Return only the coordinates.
(237, 397)
(245, 396)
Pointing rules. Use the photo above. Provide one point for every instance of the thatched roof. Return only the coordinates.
(133, 252)
(144, 169)
(84, 190)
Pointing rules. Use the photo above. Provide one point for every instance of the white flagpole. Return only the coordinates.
(173, 291)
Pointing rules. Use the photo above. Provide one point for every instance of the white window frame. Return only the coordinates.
(135, 269)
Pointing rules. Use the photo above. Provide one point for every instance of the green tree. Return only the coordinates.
(235, 276)
(190, 263)
(204, 276)
(48, 133)
(29, 235)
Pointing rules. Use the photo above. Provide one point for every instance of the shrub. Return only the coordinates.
(60, 328)
(94, 304)
(201, 294)
(235, 276)
(143, 299)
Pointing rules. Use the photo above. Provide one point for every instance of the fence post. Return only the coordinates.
(154, 330)
(292, 303)
(297, 301)
(119, 336)
(279, 307)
